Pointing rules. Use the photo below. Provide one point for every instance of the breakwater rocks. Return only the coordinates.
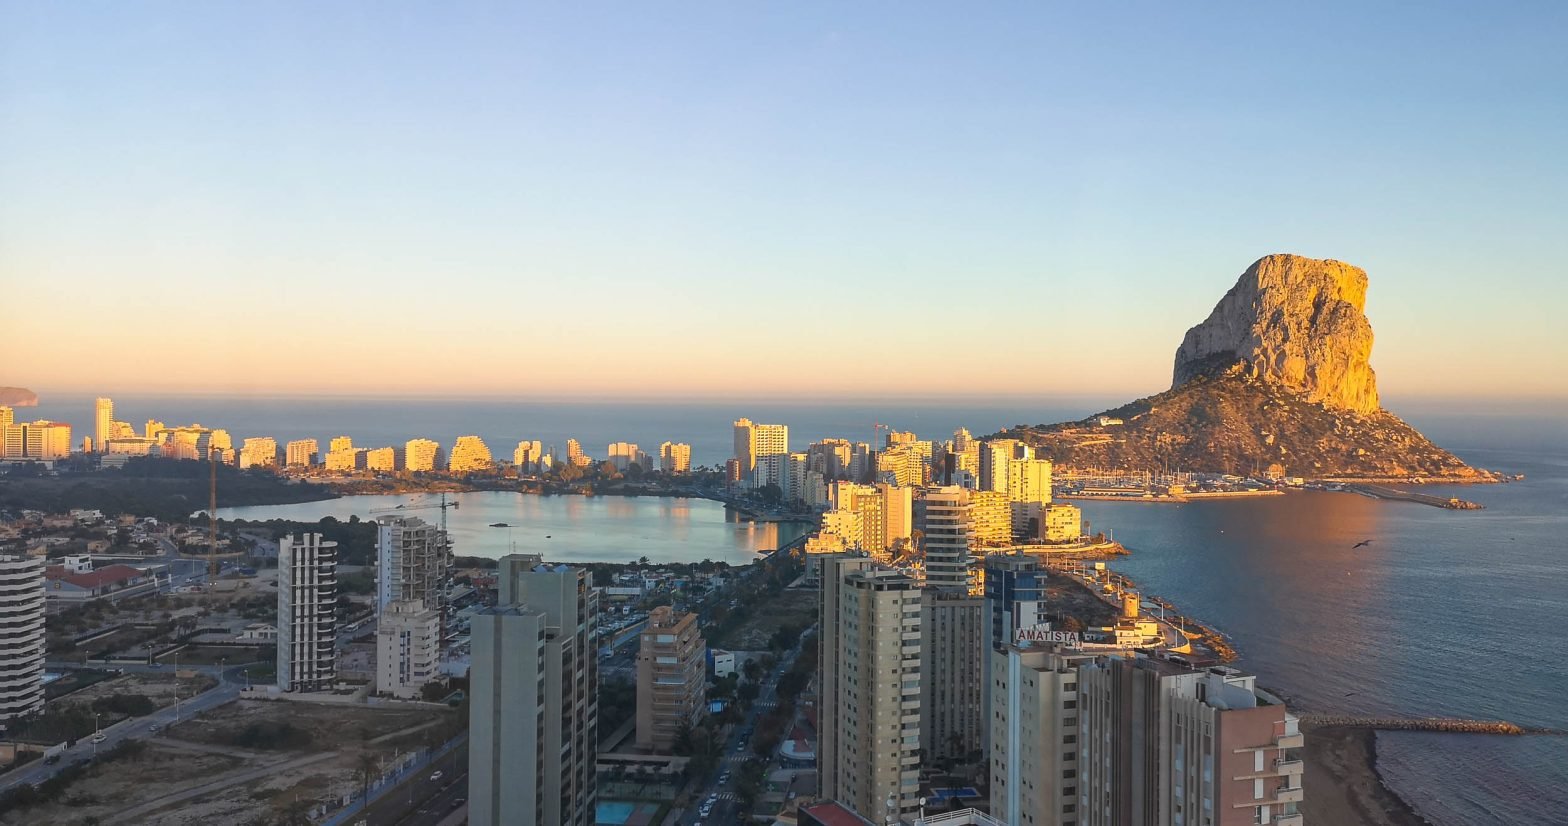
(1450, 725)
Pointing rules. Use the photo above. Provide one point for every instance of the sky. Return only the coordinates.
(714, 200)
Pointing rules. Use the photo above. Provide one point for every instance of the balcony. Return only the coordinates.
(1287, 820)
(1288, 794)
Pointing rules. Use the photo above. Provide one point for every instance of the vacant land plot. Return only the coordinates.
(161, 688)
(248, 762)
(753, 627)
(1071, 598)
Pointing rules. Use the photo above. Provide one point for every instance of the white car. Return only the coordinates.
(99, 737)
(435, 777)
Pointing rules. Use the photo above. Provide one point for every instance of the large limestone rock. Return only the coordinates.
(1293, 322)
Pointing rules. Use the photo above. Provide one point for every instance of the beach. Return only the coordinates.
(1342, 782)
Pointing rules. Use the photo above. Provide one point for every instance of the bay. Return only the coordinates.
(565, 528)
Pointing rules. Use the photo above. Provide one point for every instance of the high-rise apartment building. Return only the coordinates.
(1036, 753)
(422, 456)
(1029, 480)
(526, 456)
(42, 440)
(996, 458)
(340, 443)
(153, 429)
(381, 459)
(623, 455)
(902, 464)
(103, 423)
(1061, 523)
(307, 612)
(671, 677)
(534, 710)
(942, 516)
(408, 649)
(574, 451)
(302, 453)
(261, 451)
(21, 635)
(1160, 742)
(346, 460)
(754, 442)
(413, 561)
(675, 457)
(870, 660)
(470, 454)
(952, 654)
(991, 515)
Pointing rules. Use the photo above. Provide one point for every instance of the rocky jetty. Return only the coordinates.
(1278, 379)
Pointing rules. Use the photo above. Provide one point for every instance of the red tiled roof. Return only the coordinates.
(103, 576)
(833, 814)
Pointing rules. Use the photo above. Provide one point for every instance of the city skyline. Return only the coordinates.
(1099, 180)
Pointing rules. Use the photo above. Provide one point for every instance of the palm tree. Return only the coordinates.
(369, 768)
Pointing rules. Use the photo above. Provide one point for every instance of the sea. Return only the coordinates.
(1444, 613)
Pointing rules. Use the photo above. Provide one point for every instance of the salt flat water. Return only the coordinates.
(1446, 612)
(568, 528)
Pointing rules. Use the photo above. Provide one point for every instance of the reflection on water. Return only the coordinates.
(1443, 614)
(570, 528)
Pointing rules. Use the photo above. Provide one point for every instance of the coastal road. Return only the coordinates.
(230, 681)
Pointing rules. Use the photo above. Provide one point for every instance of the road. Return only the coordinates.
(230, 682)
(726, 809)
(420, 801)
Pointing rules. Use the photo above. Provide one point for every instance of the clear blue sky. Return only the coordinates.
(658, 198)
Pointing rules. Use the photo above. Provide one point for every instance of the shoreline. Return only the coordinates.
(1343, 784)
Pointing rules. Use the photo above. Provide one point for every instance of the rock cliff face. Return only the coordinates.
(1295, 323)
(1277, 379)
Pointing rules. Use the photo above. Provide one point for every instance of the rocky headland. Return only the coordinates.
(1277, 379)
(18, 397)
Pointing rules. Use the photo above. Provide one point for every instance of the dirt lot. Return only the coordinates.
(158, 687)
(1066, 595)
(790, 608)
(193, 774)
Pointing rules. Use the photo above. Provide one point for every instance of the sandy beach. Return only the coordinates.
(1342, 783)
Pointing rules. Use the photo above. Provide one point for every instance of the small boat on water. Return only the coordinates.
(499, 525)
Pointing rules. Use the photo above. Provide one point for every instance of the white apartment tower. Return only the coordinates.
(307, 612)
(21, 635)
(302, 453)
(408, 649)
(871, 687)
(534, 711)
(943, 515)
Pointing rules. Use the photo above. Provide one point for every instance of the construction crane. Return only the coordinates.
(212, 516)
(444, 574)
